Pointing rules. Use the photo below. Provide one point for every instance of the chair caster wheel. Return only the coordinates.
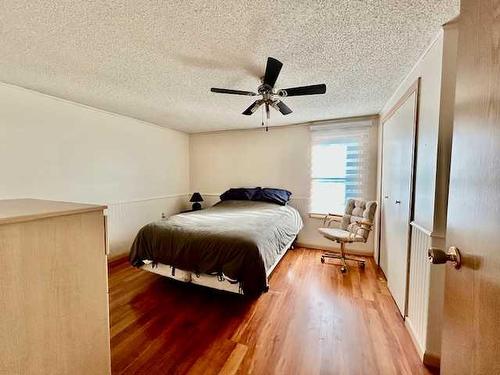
(362, 265)
(343, 269)
(322, 260)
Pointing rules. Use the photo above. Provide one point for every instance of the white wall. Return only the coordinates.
(436, 68)
(55, 149)
(429, 69)
(278, 158)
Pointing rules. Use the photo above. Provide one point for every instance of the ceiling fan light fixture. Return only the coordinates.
(271, 97)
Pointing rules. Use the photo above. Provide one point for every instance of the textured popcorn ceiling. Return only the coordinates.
(156, 60)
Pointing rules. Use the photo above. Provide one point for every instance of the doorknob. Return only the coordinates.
(438, 256)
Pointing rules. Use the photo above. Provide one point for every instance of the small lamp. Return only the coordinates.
(196, 198)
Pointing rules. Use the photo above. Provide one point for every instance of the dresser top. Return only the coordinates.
(19, 210)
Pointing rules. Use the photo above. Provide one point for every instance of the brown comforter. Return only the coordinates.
(238, 239)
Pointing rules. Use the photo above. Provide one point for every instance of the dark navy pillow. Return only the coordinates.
(239, 194)
(279, 196)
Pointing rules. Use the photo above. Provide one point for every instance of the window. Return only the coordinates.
(340, 166)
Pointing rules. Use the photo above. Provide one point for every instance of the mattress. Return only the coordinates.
(235, 240)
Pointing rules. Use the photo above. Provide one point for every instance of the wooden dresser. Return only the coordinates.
(53, 288)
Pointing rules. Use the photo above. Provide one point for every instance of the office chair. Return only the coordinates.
(355, 226)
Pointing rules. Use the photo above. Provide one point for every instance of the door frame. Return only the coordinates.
(413, 89)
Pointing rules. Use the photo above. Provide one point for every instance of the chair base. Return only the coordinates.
(343, 259)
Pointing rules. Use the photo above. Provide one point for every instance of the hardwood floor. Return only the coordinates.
(313, 320)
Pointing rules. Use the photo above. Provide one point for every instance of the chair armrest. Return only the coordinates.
(361, 225)
(329, 218)
(365, 224)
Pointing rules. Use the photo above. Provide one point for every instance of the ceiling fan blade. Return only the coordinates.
(234, 92)
(251, 110)
(273, 69)
(282, 107)
(305, 90)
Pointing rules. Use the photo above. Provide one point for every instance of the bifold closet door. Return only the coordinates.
(399, 131)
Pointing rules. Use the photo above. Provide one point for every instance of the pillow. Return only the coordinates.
(279, 196)
(239, 194)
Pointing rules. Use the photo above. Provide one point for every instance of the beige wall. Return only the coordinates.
(278, 158)
(54, 149)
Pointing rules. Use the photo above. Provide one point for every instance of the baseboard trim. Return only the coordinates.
(333, 248)
(115, 260)
(428, 359)
(414, 340)
(432, 360)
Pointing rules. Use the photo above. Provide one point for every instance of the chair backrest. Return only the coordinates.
(358, 210)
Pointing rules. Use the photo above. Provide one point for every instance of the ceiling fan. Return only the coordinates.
(271, 97)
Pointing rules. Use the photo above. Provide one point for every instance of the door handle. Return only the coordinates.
(438, 256)
(397, 202)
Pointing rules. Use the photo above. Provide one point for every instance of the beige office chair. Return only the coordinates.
(355, 226)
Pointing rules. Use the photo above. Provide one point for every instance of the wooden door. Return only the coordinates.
(471, 336)
(399, 130)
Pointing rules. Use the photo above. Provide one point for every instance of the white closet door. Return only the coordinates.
(397, 177)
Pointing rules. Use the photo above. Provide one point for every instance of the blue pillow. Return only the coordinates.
(239, 194)
(279, 196)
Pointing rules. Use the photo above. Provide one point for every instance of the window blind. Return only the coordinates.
(342, 164)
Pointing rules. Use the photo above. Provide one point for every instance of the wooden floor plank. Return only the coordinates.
(314, 320)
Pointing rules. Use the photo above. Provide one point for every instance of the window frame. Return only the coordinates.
(343, 180)
(357, 134)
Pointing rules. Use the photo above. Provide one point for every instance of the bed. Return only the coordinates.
(233, 245)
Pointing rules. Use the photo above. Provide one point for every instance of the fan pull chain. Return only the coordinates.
(268, 117)
(267, 121)
(262, 112)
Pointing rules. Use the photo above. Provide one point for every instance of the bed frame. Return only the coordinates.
(210, 281)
